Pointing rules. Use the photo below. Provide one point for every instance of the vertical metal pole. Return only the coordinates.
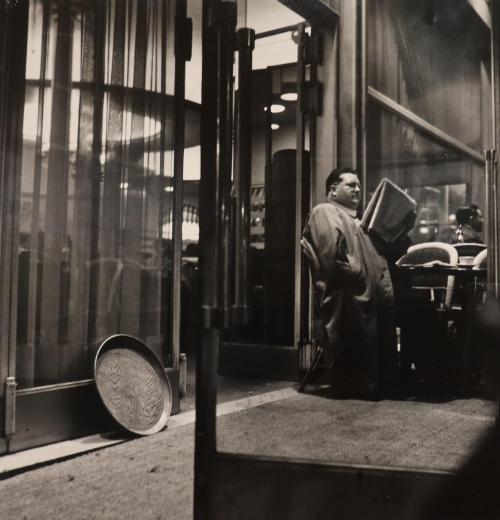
(243, 173)
(13, 45)
(181, 56)
(226, 21)
(219, 21)
(299, 171)
(268, 173)
(491, 180)
(492, 201)
(362, 98)
(492, 221)
(207, 351)
(308, 188)
(488, 223)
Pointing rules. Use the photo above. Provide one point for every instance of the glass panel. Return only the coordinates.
(422, 350)
(433, 58)
(273, 212)
(95, 244)
(437, 362)
(440, 179)
(437, 209)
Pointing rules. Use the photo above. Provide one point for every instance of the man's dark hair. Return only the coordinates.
(336, 176)
(466, 213)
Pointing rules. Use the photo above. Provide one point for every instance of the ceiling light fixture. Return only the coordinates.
(276, 109)
(274, 126)
(289, 96)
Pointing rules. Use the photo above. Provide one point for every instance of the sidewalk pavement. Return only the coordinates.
(151, 478)
(138, 478)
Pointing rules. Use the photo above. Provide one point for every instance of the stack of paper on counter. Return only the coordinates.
(389, 211)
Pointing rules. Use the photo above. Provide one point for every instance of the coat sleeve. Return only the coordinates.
(324, 232)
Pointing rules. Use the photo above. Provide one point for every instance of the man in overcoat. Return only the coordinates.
(353, 294)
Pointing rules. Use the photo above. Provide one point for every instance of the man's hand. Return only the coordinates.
(348, 274)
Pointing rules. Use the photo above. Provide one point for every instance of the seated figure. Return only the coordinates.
(469, 225)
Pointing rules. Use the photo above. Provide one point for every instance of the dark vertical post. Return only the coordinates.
(492, 168)
(226, 21)
(13, 43)
(492, 158)
(491, 221)
(182, 54)
(299, 173)
(268, 214)
(363, 85)
(219, 20)
(243, 172)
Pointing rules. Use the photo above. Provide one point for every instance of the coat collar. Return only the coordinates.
(351, 212)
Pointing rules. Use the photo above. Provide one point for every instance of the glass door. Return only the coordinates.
(399, 112)
(285, 103)
(99, 204)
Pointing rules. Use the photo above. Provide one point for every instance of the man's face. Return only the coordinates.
(347, 192)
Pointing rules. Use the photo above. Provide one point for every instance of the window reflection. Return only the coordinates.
(95, 255)
(433, 58)
(429, 62)
(436, 216)
(441, 180)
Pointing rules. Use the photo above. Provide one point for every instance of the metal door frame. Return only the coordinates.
(13, 40)
(284, 361)
(77, 408)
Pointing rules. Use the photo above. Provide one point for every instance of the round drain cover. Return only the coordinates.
(133, 385)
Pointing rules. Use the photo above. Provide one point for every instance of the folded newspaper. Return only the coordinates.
(390, 212)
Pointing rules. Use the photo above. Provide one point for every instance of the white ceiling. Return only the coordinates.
(260, 15)
(265, 15)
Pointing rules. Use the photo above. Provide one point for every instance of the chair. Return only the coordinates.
(314, 267)
(426, 253)
(468, 251)
(424, 309)
(312, 363)
(480, 260)
(479, 263)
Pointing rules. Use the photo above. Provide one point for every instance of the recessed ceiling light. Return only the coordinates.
(276, 109)
(275, 126)
(289, 96)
